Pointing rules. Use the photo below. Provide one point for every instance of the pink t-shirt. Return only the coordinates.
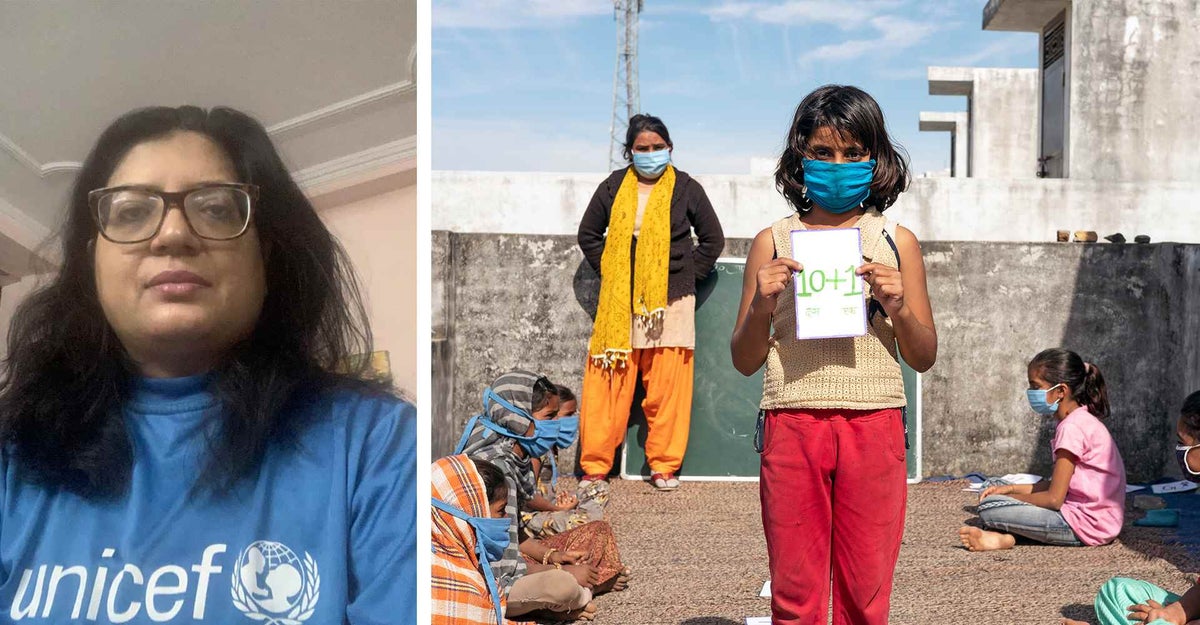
(1095, 504)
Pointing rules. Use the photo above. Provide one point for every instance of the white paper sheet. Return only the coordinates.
(1182, 486)
(829, 297)
(766, 589)
(758, 620)
(1014, 478)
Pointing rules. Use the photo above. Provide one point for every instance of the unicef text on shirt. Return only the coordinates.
(262, 589)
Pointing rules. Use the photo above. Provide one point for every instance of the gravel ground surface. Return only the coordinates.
(699, 558)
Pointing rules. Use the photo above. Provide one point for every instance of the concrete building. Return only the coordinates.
(1000, 123)
(1118, 89)
(960, 137)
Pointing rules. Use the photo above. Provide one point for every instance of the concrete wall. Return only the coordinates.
(1004, 123)
(946, 209)
(958, 125)
(1002, 117)
(501, 301)
(1133, 90)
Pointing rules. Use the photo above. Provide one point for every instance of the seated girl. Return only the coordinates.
(1122, 600)
(1083, 503)
(552, 509)
(469, 531)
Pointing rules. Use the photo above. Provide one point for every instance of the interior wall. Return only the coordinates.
(379, 234)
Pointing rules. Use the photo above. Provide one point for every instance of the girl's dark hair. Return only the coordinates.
(66, 374)
(543, 390)
(644, 123)
(564, 394)
(1189, 415)
(493, 480)
(1082, 379)
(853, 115)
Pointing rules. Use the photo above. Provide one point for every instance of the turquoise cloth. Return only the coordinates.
(1159, 518)
(1118, 593)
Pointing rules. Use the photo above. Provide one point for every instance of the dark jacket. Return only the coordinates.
(690, 209)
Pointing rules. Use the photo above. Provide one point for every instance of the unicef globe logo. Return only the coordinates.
(271, 584)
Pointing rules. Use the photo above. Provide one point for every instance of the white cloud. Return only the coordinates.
(894, 35)
(846, 14)
(504, 14)
(994, 53)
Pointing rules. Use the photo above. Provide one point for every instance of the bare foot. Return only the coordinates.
(975, 539)
(1068, 621)
(622, 580)
(586, 613)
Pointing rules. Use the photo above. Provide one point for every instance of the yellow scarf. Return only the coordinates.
(610, 343)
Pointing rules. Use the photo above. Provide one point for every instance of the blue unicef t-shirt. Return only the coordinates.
(323, 533)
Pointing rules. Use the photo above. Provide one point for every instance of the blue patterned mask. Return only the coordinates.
(838, 187)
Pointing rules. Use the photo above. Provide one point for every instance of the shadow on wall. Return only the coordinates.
(1129, 315)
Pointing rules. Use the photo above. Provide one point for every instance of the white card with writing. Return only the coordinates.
(829, 297)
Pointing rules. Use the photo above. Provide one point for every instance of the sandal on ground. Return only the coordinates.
(664, 481)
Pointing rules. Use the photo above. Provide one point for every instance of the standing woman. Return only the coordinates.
(637, 235)
(172, 419)
(833, 482)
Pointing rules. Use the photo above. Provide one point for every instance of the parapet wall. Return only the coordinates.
(502, 301)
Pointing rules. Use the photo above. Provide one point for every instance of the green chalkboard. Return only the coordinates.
(724, 402)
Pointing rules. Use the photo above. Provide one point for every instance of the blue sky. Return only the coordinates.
(526, 85)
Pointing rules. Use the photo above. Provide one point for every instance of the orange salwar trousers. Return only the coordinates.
(666, 373)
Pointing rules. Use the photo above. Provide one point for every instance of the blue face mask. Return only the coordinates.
(838, 187)
(568, 429)
(651, 164)
(545, 433)
(1037, 400)
(491, 539)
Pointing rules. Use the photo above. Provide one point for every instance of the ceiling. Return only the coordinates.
(333, 80)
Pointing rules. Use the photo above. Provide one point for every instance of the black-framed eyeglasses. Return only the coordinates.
(132, 214)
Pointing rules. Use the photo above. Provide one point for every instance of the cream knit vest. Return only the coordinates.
(857, 373)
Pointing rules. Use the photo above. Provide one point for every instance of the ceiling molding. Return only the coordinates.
(403, 151)
(393, 90)
(399, 89)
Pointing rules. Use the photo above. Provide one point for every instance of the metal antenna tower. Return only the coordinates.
(626, 100)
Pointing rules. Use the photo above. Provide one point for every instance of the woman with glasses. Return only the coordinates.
(177, 440)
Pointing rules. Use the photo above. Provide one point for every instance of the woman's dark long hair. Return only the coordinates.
(66, 374)
(854, 115)
(1082, 379)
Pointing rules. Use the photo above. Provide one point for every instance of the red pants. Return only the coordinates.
(833, 488)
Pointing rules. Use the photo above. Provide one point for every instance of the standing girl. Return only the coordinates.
(637, 234)
(1084, 501)
(833, 485)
